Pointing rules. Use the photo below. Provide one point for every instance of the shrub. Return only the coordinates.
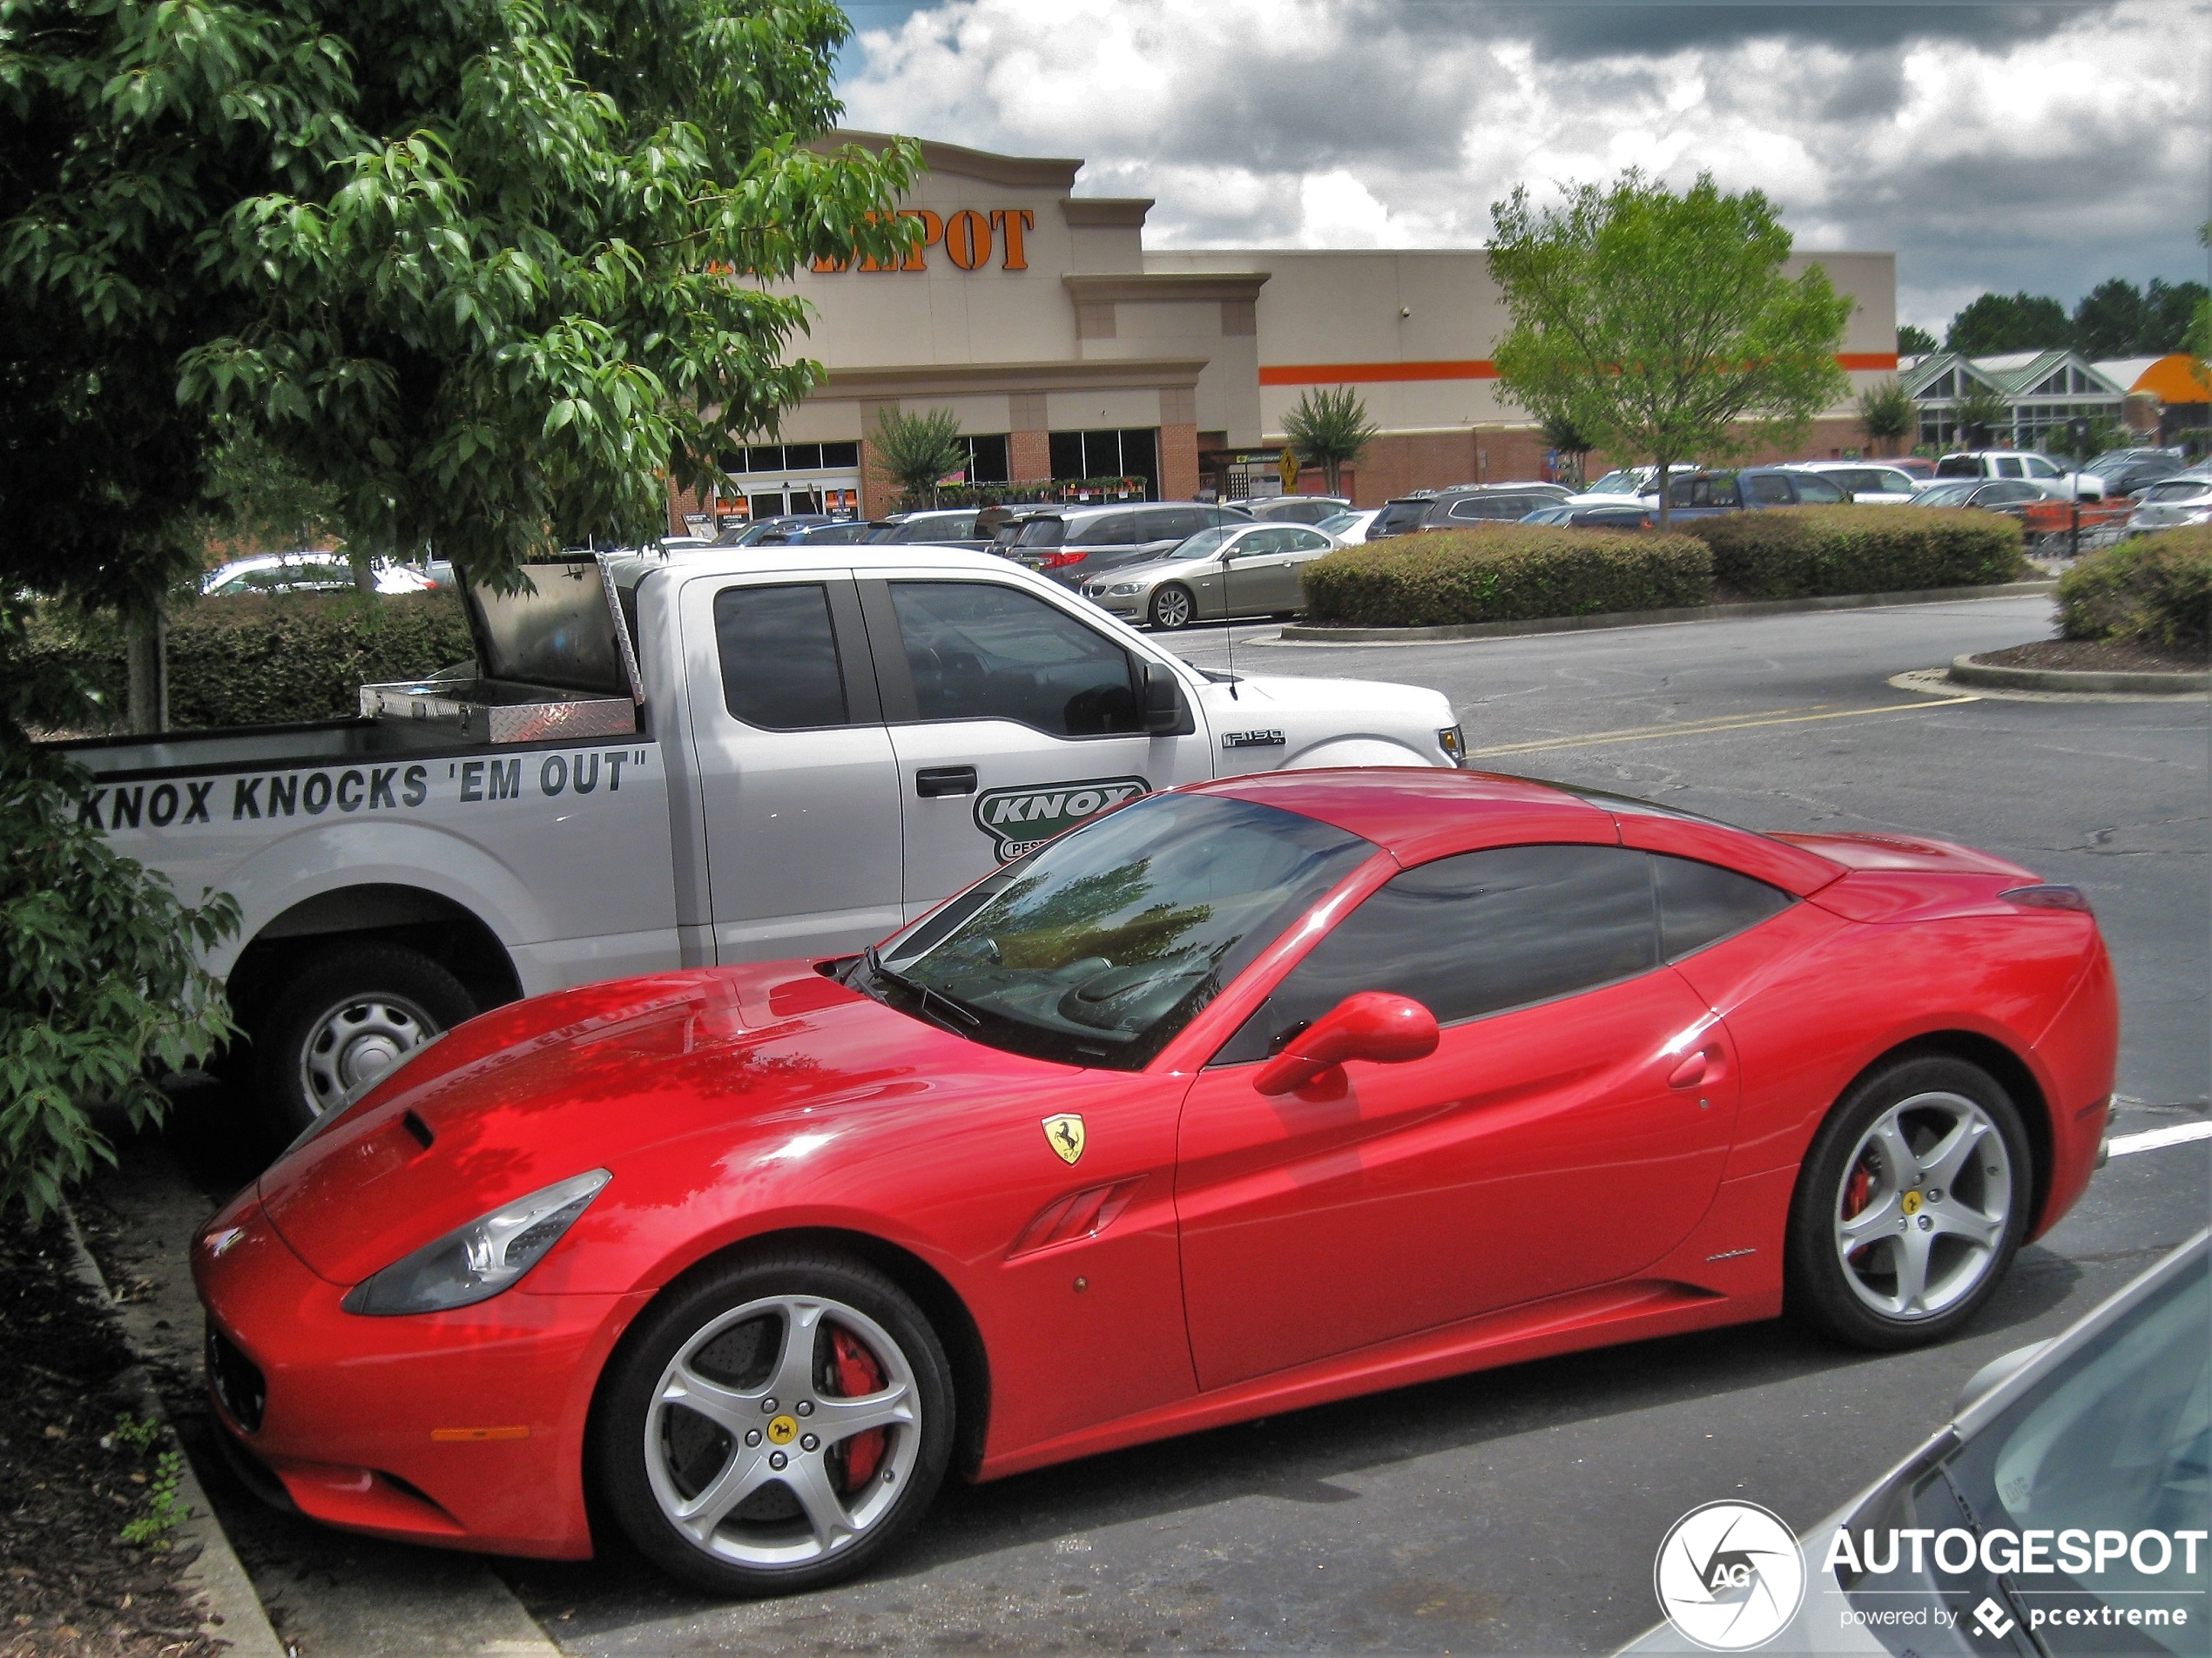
(1505, 573)
(2154, 590)
(258, 659)
(99, 985)
(1805, 552)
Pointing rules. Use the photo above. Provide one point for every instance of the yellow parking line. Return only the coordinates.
(1710, 727)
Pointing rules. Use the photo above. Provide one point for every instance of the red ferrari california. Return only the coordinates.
(1240, 1098)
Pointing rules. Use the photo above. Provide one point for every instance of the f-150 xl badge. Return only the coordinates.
(1019, 819)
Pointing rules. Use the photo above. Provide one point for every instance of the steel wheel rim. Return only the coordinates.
(720, 1494)
(357, 1042)
(1172, 608)
(1920, 1213)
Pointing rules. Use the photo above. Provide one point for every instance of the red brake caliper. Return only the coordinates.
(858, 1373)
(1857, 1190)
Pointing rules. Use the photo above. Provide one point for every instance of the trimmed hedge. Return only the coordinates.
(1810, 552)
(1505, 573)
(2152, 590)
(258, 659)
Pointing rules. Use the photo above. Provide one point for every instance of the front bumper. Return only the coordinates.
(462, 1429)
(1128, 606)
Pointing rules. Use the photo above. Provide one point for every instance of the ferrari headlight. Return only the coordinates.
(477, 1260)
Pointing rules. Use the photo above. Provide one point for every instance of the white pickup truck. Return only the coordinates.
(721, 756)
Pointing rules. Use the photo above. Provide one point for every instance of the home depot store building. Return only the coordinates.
(1069, 349)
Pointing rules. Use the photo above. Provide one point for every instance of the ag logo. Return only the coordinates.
(1021, 818)
(1730, 1576)
(1065, 1135)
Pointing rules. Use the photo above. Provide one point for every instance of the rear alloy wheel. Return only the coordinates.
(346, 1020)
(1171, 608)
(1911, 1206)
(776, 1426)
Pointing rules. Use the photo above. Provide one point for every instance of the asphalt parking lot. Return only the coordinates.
(1517, 1511)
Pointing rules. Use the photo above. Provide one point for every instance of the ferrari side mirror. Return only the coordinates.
(1371, 1025)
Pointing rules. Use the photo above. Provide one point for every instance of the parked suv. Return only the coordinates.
(2128, 472)
(1297, 509)
(1704, 493)
(2020, 463)
(1465, 505)
(1072, 544)
(1872, 484)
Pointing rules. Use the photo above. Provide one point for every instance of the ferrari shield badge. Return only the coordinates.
(1065, 1135)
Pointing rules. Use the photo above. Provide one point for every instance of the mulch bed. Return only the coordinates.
(2092, 656)
(69, 1584)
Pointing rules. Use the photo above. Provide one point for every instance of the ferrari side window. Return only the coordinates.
(779, 667)
(1471, 936)
(1700, 904)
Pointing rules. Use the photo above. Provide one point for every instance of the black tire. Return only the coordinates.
(297, 1075)
(1172, 608)
(625, 1434)
(1845, 1179)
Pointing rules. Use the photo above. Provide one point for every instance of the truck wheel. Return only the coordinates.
(1171, 606)
(350, 1016)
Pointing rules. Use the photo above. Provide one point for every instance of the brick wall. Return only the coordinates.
(1178, 479)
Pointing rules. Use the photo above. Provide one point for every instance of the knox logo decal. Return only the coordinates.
(1019, 819)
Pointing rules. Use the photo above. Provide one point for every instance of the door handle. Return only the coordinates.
(1689, 1073)
(933, 781)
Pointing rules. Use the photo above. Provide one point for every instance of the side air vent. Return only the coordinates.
(1082, 1214)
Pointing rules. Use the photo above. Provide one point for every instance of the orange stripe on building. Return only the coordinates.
(1473, 369)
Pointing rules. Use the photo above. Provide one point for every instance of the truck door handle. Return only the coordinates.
(933, 781)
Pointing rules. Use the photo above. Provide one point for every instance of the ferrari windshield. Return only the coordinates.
(1097, 948)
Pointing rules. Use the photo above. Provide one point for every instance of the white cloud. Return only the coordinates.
(1990, 148)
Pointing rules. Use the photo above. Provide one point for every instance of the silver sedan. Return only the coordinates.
(1229, 571)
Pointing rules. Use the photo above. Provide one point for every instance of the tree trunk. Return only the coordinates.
(364, 577)
(146, 652)
(1666, 472)
(1333, 475)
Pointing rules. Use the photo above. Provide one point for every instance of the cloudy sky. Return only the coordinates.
(1991, 146)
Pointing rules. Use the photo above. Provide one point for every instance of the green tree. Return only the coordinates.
(1329, 428)
(1569, 440)
(2171, 308)
(1983, 419)
(2001, 322)
(1662, 325)
(1887, 412)
(916, 450)
(1913, 342)
(2112, 320)
(491, 274)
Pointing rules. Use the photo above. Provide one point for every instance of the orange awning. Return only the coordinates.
(2169, 380)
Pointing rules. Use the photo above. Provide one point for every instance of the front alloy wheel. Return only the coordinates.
(1171, 608)
(777, 1426)
(1909, 1205)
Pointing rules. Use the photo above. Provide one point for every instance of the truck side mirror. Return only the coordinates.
(1372, 1025)
(1164, 712)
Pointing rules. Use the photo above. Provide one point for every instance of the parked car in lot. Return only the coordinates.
(1582, 515)
(2020, 463)
(1703, 494)
(1918, 467)
(2172, 502)
(844, 533)
(1073, 544)
(773, 532)
(1463, 507)
(748, 756)
(1637, 481)
(951, 525)
(1297, 509)
(2126, 472)
(2013, 497)
(2092, 1440)
(306, 572)
(1349, 529)
(1239, 1098)
(1230, 570)
(1868, 483)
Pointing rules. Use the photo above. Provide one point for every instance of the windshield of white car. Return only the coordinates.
(1617, 483)
(1336, 522)
(1945, 495)
(1098, 948)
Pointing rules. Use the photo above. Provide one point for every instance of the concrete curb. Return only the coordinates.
(1965, 670)
(1457, 633)
(215, 1579)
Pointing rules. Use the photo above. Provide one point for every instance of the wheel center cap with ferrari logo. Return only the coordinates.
(1910, 1203)
(783, 1430)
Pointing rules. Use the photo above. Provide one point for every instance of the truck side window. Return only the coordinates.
(778, 650)
(979, 650)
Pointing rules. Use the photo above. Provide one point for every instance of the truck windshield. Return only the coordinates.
(1095, 949)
